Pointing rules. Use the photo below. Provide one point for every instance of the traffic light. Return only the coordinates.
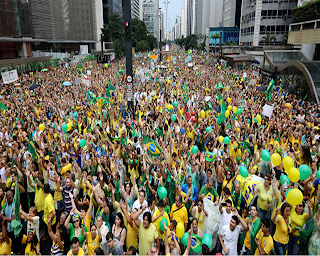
(127, 30)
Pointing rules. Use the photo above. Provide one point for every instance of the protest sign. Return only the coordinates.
(267, 110)
(10, 76)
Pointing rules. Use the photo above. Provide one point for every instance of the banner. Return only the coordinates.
(10, 76)
(85, 80)
(212, 221)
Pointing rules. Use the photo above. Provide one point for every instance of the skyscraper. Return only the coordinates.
(135, 9)
(232, 13)
(149, 11)
(262, 17)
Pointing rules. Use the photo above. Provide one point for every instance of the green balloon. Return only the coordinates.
(318, 174)
(243, 171)
(207, 239)
(184, 239)
(162, 192)
(82, 143)
(305, 171)
(265, 155)
(255, 120)
(248, 121)
(164, 220)
(287, 193)
(226, 140)
(176, 104)
(284, 179)
(173, 117)
(64, 127)
(239, 111)
(195, 149)
(208, 129)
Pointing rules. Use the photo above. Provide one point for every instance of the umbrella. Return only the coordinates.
(66, 83)
(34, 86)
(44, 69)
(255, 61)
(262, 88)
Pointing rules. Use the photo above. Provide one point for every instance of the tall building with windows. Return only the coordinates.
(161, 24)
(149, 11)
(264, 19)
(111, 7)
(232, 13)
(190, 17)
(59, 25)
(135, 9)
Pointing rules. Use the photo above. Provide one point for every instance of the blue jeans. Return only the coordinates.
(247, 252)
(218, 246)
(280, 249)
(294, 245)
(262, 214)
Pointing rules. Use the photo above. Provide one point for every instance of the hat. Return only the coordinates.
(75, 216)
(316, 182)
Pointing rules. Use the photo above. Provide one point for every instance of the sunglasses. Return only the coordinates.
(76, 221)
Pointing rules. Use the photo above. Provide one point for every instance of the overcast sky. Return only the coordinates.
(174, 9)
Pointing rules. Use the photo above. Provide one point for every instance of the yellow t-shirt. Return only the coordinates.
(232, 149)
(157, 222)
(39, 198)
(282, 235)
(92, 243)
(48, 208)
(199, 217)
(65, 169)
(247, 239)
(147, 236)
(265, 197)
(132, 235)
(5, 249)
(297, 220)
(80, 252)
(57, 194)
(28, 250)
(180, 215)
(266, 243)
(227, 184)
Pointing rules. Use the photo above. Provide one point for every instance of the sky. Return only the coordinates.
(174, 9)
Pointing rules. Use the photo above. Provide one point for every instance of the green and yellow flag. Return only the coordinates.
(80, 69)
(152, 147)
(33, 151)
(2, 106)
(110, 91)
(221, 109)
(210, 157)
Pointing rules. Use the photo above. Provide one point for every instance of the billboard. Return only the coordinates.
(229, 35)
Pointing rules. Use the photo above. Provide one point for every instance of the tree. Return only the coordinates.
(215, 36)
(142, 46)
(152, 41)
(268, 39)
(139, 31)
(114, 30)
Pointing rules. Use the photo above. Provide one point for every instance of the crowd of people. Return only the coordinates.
(85, 177)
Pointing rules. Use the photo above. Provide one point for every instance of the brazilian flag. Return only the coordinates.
(152, 147)
(91, 97)
(102, 100)
(221, 109)
(196, 244)
(80, 69)
(33, 151)
(158, 132)
(210, 157)
(185, 87)
(112, 139)
(185, 98)
(2, 106)
(110, 91)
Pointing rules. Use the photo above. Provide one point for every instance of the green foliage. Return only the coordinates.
(142, 46)
(215, 36)
(197, 42)
(140, 39)
(66, 59)
(179, 42)
(309, 11)
(268, 39)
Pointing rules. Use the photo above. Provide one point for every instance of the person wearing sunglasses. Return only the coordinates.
(74, 228)
(298, 218)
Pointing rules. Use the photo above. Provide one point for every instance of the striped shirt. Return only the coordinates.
(55, 250)
(67, 199)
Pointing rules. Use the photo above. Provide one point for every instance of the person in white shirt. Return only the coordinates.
(229, 234)
(32, 218)
(139, 203)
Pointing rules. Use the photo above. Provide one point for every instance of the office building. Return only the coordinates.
(183, 32)
(135, 9)
(232, 13)
(111, 7)
(58, 25)
(262, 17)
(149, 11)
(209, 14)
(190, 18)
(161, 23)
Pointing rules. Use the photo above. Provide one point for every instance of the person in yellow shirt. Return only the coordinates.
(179, 212)
(298, 218)
(65, 167)
(31, 243)
(5, 241)
(75, 249)
(158, 215)
(198, 212)
(37, 184)
(93, 238)
(283, 229)
(49, 208)
(264, 239)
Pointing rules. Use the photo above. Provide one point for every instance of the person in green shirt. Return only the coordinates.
(209, 192)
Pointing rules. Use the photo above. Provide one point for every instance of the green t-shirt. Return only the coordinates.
(209, 194)
(81, 238)
(195, 177)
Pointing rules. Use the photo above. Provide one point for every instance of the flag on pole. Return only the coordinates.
(269, 90)
(32, 150)
(152, 147)
(210, 157)
(110, 91)
(221, 109)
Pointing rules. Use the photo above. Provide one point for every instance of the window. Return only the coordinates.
(264, 13)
